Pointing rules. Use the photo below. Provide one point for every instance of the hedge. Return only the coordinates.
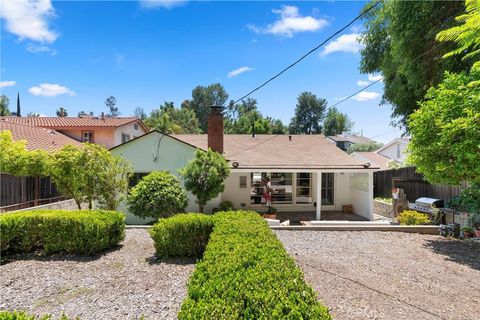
(183, 235)
(76, 231)
(20, 315)
(246, 273)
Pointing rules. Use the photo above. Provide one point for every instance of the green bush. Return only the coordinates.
(246, 273)
(76, 231)
(226, 206)
(158, 195)
(412, 217)
(20, 315)
(183, 235)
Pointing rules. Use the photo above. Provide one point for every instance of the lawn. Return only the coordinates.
(124, 282)
(382, 275)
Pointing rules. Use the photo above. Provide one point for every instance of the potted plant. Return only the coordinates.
(474, 222)
(270, 213)
(467, 232)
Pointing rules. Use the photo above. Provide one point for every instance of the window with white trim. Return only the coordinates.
(87, 136)
(328, 188)
(125, 137)
(303, 192)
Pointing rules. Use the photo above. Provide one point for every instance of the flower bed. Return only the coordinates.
(246, 273)
(76, 231)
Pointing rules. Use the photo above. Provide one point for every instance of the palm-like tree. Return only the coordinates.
(62, 112)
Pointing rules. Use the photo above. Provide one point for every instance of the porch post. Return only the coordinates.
(319, 195)
(370, 195)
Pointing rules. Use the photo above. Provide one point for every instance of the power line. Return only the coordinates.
(309, 52)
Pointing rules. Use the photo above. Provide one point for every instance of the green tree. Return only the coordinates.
(364, 147)
(205, 175)
(4, 103)
(17, 160)
(466, 36)
(62, 112)
(89, 174)
(139, 113)
(203, 98)
(157, 195)
(446, 131)
(83, 113)
(168, 119)
(111, 104)
(396, 34)
(309, 114)
(336, 122)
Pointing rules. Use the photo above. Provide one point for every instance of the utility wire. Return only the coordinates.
(309, 52)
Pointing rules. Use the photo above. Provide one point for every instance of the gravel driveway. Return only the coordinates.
(123, 283)
(386, 275)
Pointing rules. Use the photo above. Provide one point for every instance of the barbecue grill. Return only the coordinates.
(427, 205)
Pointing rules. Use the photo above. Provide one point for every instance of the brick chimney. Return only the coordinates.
(215, 129)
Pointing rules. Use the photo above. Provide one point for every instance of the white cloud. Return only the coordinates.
(238, 71)
(166, 4)
(344, 43)
(290, 22)
(366, 96)
(41, 49)
(28, 19)
(362, 83)
(50, 90)
(4, 84)
(372, 77)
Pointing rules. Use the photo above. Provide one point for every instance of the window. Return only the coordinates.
(135, 179)
(303, 193)
(243, 181)
(280, 184)
(135, 126)
(87, 136)
(327, 189)
(125, 137)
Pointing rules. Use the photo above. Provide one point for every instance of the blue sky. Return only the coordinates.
(76, 54)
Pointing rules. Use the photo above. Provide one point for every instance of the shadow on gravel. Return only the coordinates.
(463, 252)
(40, 255)
(178, 261)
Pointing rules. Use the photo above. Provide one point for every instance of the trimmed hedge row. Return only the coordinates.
(183, 235)
(76, 231)
(246, 273)
(20, 315)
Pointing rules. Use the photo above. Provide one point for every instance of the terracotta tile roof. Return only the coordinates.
(374, 158)
(278, 151)
(64, 122)
(352, 138)
(38, 138)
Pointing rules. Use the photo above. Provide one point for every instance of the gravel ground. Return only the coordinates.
(123, 283)
(386, 275)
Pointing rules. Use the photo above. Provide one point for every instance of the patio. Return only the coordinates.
(296, 217)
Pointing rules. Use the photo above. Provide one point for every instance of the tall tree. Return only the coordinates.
(62, 112)
(466, 36)
(336, 122)
(396, 34)
(19, 113)
(4, 102)
(168, 119)
(139, 113)
(309, 114)
(83, 113)
(111, 104)
(203, 98)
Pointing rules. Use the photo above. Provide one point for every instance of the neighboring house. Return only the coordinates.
(344, 140)
(375, 159)
(302, 168)
(105, 131)
(395, 149)
(38, 138)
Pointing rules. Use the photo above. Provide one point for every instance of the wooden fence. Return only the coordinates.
(24, 192)
(413, 183)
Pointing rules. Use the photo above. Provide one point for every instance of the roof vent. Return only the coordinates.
(367, 165)
(289, 138)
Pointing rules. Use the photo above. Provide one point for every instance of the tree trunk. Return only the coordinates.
(200, 207)
(79, 204)
(90, 205)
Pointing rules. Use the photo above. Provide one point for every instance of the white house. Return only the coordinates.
(308, 173)
(395, 149)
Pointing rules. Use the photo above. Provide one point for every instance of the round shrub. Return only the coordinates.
(158, 195)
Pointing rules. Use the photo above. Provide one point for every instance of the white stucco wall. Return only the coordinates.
(130, 130)
(158, 152)
(391, 151)
(361, 193)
